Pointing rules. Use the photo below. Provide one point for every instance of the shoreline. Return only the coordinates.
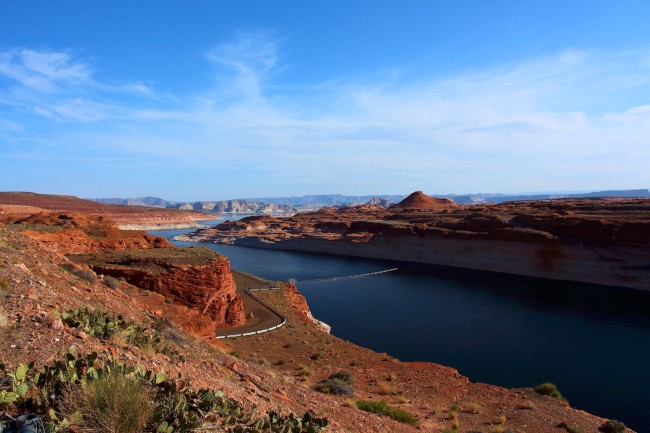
(560, 263)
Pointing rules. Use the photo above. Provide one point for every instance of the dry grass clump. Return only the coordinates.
(113, 403)
(121, 336)
(499, 419)
(111, 282)
(304, 370)
(382, 408)
(4, 283)
(4, 318)
(350, 403)
(472, 407)
(387, 389)
(526, 404)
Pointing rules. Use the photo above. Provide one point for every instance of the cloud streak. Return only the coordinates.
(573, 120)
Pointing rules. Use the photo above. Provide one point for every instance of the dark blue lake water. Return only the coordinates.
(592, 341)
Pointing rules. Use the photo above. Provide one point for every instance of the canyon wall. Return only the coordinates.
(208, 286)
(624, 266)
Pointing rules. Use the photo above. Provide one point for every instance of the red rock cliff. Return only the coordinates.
(198, 278)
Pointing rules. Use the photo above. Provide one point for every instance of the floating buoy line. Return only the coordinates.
(346, 276)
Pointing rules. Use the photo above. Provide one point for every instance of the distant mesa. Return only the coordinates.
(420, 201)
(379, 201)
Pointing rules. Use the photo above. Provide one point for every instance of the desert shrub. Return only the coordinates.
(548, 389)
(169, 331)
(112, 282)
(113, 403)
(382, 408)
(334, 386)
(121, 331)
(94, 323)
(337, 384)
(83, 274)
(81, 391)
(612, 426)
(343, 375)
(4, 283)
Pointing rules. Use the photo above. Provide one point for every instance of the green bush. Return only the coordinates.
(548, 389)
(107, 396)
(382, 408)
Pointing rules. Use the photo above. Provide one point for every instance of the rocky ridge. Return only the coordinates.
(602, 241)
(198, 278)
(27, 203)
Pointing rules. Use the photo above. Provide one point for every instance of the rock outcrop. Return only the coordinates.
(420, 201)
(601, 241)
(69, 233)
(198, 278)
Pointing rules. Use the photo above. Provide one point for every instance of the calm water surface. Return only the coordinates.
(593, 342)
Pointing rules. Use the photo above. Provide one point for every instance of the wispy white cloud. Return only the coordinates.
(569, 121)
(43, 71)
(252, 56)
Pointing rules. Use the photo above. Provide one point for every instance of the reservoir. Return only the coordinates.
(593, 342)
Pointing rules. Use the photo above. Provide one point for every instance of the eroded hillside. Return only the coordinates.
(53, 308)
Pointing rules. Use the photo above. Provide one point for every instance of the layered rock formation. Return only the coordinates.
(75, 234)
(137, 217)
(198, 278)
(602, 241)
(236, 207)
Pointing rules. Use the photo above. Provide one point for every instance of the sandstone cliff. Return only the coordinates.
(602, 241)
(198, 278)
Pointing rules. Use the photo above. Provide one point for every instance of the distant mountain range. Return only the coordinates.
(279, 205)
(225, 206)
(324, 200)
(500, 198)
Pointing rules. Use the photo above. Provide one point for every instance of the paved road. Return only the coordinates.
(263, 317)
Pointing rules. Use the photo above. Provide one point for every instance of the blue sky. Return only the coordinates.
(233, 99)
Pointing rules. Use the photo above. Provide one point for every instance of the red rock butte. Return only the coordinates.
(420, 201)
